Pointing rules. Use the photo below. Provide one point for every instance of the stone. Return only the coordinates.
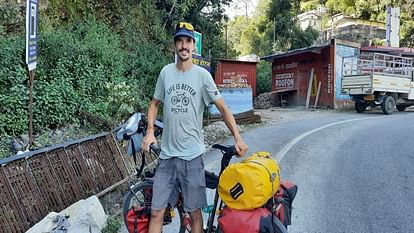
(85, 215)
(264, 101)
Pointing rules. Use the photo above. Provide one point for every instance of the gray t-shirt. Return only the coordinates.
(184, 95)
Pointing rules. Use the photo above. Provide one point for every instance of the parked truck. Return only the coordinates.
(377, 79)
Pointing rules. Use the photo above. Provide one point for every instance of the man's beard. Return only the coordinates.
(183, 58)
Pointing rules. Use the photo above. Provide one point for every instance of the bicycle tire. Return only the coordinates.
(130, 200)
(137, 201)
(279, 227)
(183, 229)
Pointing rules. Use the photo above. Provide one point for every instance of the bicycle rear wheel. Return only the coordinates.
(141, 196)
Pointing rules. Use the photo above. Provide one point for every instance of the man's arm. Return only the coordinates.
(152, 115)
(228, 118)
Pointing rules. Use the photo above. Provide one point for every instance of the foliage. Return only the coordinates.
(113, 224)
(308, 5)
(14, 93)
(263, 77)
(273, 27)
(408, 35)
(97, 59)
(76, 67)
(11, 19)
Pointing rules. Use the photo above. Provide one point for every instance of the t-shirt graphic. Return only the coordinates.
(180, 95)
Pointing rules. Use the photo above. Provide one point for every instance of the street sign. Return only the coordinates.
(31, 33)
(199, 40)
(202, 61)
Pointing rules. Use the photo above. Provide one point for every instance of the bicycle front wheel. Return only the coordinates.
(140, 195)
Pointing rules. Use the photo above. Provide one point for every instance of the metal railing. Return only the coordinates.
(378, 63)
(50, 179)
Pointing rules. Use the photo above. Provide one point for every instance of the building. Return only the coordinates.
(342, 27)
(352, 29)
(312, 18)
(292, 74)
(236, 81)
(236, 73)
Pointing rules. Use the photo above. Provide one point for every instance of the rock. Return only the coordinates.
(84, 216)
(20, 144)
(215, 131)
(264, 101)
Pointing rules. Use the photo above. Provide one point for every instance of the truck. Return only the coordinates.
(377, 79)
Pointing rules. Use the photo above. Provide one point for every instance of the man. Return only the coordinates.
(185, 89)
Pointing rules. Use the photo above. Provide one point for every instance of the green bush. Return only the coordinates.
(113, 224)
(75, 70)
(14, 93)
(264, 77)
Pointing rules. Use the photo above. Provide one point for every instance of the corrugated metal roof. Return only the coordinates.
(295, 52)
(237, 61)
(408, 52)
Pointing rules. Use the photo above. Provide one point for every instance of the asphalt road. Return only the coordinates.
(355, 176)
(354, 171)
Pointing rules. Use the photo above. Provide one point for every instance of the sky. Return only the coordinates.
(238, 7)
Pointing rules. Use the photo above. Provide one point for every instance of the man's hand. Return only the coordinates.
(148, 140)
(241, 147)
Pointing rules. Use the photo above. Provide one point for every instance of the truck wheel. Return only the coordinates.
(401, 108)
(388, 105)
(360, 107)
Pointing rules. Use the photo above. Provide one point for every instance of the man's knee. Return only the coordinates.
(157, 214)
(196, 215)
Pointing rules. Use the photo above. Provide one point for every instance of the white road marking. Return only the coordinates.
(288, 146)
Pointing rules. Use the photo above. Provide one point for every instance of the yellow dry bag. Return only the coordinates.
(250, 183)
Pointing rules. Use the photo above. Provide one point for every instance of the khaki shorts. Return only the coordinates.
(175, 172)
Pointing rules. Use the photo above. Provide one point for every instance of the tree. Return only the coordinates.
(287, 34)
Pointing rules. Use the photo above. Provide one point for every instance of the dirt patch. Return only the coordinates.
(278, 114)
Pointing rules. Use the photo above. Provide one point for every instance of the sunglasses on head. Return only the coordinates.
(185, 25)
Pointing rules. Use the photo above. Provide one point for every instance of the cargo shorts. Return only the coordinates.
(174, 173)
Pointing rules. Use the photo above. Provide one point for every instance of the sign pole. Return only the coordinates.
(32, 7)
(31, 80)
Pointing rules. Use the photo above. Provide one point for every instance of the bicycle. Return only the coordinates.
(140, 192)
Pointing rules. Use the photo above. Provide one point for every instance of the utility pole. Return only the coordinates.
(274, 34)
(226, 39)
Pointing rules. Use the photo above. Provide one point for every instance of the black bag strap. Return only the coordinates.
(133, 151)
(135, 224)
(134, 155)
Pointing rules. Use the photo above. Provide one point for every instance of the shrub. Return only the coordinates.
(264, 77)
(14, 93)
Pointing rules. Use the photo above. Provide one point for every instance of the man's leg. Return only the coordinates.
(196, 221)
(163, 186)
(156, 223)
(193, 187)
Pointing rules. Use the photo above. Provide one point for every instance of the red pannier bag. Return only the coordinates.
(138, 219)
(258, 220)
(284, 197)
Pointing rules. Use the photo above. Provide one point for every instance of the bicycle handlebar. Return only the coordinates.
(226, 150)
(156, 149)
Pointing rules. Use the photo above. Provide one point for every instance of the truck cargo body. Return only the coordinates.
(379, 80)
